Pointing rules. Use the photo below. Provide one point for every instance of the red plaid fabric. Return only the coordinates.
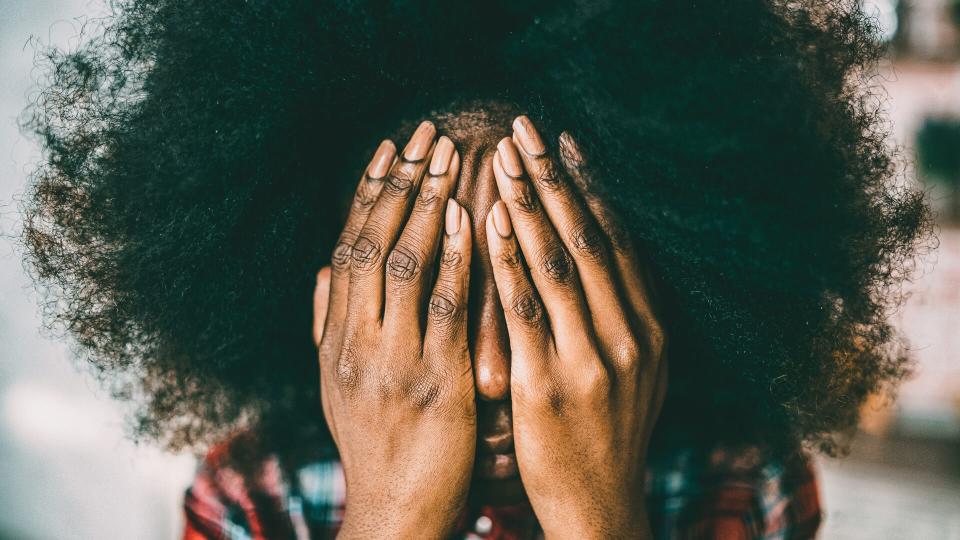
(718, 494)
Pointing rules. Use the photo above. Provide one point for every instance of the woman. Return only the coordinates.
(685, 282)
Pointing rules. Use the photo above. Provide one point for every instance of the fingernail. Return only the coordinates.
(569, 149)
(509, 157)
(442, 155)
(382, 159)
(528, 136)
(501, 220)
(419, 143)
(453, 217)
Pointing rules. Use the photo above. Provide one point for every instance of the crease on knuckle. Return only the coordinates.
(556, 265)
(402, 265)
(451, 259)
(527, 308)
(367, 194)
(548, 176)
(428, 197)
(365, 254)
(511, 258)
(443, 307)
(400, 181)
(587, 240)
(524, 199)
(342, 254)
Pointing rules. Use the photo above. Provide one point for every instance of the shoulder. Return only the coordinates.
(232, 499)
(734, 492)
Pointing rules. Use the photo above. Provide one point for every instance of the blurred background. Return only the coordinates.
(67, 469)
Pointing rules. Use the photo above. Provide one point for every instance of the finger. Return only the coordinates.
(578, 230)
(321, 300)
(634, 276)
(446, 333)
(551, 267)
(409, 266)
(368, 190)
(526, 319)
(383, 226)
(627, 262)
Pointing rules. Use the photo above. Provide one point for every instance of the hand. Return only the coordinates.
(588, 374)
(398, 397)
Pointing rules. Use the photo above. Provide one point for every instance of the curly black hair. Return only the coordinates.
(195, 152)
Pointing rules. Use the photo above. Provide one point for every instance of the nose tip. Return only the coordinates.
(492, 378)
(491, 352)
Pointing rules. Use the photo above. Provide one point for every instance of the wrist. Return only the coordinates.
(397, 518)
(361, 526)
(631, 523)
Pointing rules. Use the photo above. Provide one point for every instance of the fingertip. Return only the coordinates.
(501, 219)
(503, 180)
(488, 225)
(465, 224)
(455, 164)
(382, 159)
(442, 156)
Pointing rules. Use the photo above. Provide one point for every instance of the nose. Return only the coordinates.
(490, 346)
(489, 341)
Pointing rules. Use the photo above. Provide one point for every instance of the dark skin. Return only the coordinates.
(534, 354)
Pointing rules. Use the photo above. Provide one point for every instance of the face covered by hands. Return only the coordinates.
(406, 363)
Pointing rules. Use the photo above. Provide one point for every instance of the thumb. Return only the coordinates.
(321, 299)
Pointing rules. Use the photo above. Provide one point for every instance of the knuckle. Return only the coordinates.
(524, 199)
(556, 265)
(366, 194)
(657, 338)
(342, 253)
(402, 265)
(451, 259)
(592, 383)
(428, 198)
(365, 253)
(548, 175)
(389, 386)
(348, 370)
(443, 306)
(587, 240)
(626, 353)
(400, 181)
(426, 393)
(527, 308)
(511, 258)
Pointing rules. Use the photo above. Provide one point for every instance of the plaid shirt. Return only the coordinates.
(720, 494)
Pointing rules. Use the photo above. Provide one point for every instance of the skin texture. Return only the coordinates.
(587, 352)
(200, 156)
(399, 397)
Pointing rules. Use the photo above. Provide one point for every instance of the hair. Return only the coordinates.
(195, 152)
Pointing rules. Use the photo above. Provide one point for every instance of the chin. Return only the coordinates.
(494, 492)
(496, 480)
